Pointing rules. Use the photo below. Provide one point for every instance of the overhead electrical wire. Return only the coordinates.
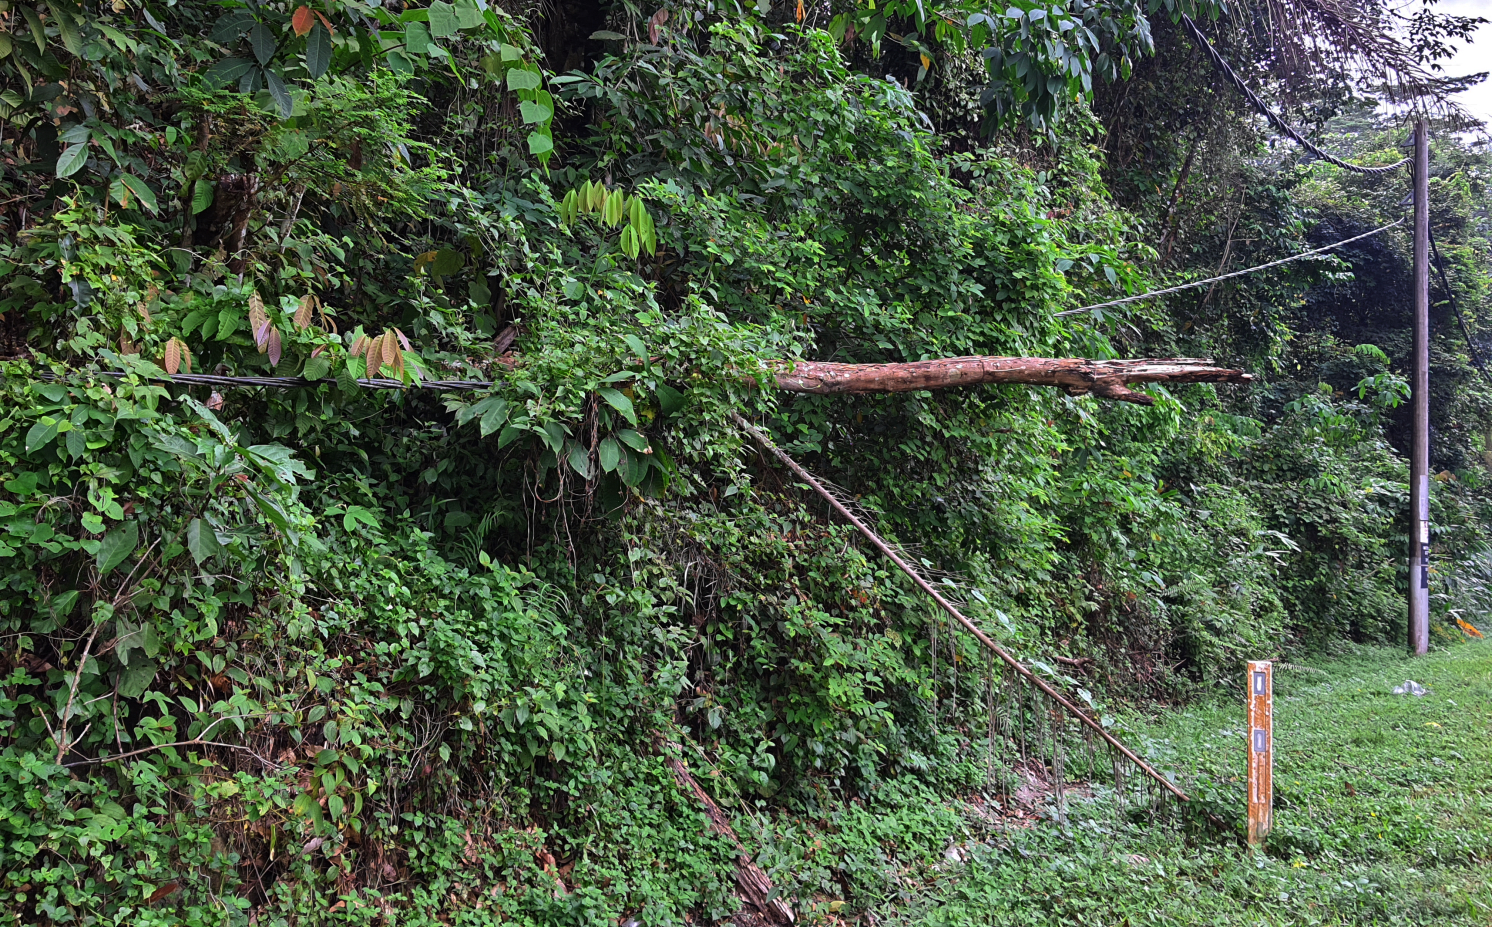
(1274, 119)
(1450, 295)
(1237, 273)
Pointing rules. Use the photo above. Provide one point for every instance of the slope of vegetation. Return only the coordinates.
(340, 655)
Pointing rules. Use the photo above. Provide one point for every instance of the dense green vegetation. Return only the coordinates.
(339, 655)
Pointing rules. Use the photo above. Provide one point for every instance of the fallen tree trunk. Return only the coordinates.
(1110, 379)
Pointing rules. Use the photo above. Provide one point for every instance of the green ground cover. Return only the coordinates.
(1383, 815)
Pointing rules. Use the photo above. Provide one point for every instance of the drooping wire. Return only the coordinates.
(1476, 356)
(210, 379)
(1274, 119)
(1237, 273)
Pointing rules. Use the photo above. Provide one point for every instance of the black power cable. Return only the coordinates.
(1450, 295)
(1275, 120)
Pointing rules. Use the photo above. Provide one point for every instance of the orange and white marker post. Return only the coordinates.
(1261, 750)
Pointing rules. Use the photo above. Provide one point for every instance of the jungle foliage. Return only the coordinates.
(342, 655)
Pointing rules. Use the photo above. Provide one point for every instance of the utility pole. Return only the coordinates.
(1419, 459)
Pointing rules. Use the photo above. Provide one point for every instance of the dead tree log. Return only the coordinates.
(1110, 379)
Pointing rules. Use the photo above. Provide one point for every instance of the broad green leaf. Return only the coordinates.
(534, 112)
(416, 38)
(670, 400)
(629, 243)
(494, 418)
(63, 603)
(619, 401)
(580, 460)
(318, 51)
(24, 484)
(633, 440)
(71, 159)
(6, 45)
(42, 433)
(447, 262)
(38, 32)
(443, 22)
(201, 196)
(262, 40)
(317, 367)
(278, 90)
(141, 190)
(523, 79)
(539, 143)
(609, 454)
(117, 545)
(77, 135)
(611, 210)
(633, 468)
(468, 14)
(135, 679)
(201, 540)
(231, 25)
(227, 71)
(399, 62)
(72, 40)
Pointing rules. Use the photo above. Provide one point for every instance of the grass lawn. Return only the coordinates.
(1383, 815)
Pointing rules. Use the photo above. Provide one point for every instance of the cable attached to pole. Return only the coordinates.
(1237, 273)
(1450, 295)
(1275, 120)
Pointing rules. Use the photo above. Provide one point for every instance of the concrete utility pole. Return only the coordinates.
(1419, 459)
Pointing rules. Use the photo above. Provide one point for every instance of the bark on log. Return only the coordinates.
(1110, 379)
(755, 888)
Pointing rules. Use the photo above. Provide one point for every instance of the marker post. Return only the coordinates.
(1260, 750)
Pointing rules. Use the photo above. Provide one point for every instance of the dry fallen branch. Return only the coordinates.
(755, 888)
(1110, 379)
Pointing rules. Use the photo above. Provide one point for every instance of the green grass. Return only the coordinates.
(1383, 816)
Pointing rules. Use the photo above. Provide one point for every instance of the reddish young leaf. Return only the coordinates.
(302, 21)
(325, 22)
(303, 312)
(170, 888)
(390, 348)
(272, 345)
(173, 356)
